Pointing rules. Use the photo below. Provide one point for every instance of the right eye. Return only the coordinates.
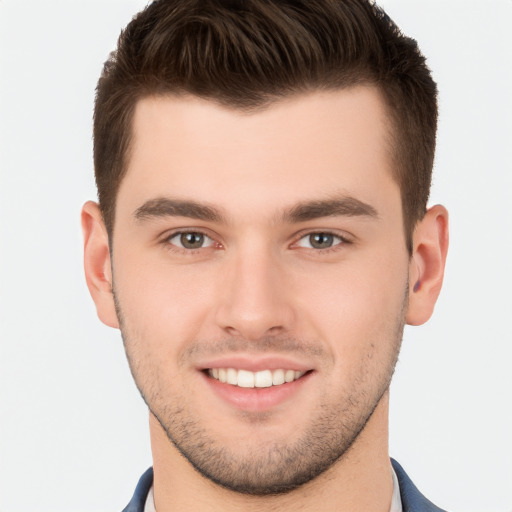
(190, 240)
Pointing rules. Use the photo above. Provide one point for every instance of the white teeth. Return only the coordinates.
(261, 379)
(289, 376)
(245, 379)
(278, 377)
(231, 377)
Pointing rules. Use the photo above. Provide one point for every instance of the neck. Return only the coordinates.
(360, 481)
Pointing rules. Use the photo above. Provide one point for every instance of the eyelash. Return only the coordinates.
(343, 240)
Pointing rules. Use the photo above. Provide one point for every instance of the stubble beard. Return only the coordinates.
(270, 468)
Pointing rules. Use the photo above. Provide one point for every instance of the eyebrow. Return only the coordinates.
(342, 206)
(302, 212)
(166, 207)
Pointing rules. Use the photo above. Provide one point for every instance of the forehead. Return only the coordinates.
(317, 144)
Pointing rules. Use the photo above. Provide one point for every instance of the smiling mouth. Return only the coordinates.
(248, 379)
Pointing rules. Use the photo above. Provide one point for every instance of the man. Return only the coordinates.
(261, 238)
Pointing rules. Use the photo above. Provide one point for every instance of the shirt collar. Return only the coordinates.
(396, 501)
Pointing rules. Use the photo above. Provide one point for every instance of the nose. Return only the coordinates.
(254, 300)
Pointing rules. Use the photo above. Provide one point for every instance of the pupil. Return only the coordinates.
(321, 240)
(192, 240)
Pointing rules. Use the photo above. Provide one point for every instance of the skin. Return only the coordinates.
(260, 187)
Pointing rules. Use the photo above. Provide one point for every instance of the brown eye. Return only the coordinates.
(190, 240)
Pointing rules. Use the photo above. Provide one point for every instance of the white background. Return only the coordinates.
(73, 430)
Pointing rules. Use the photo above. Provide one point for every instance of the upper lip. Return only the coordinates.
(254, 363)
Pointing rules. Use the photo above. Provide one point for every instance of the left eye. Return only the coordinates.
(190, 240)
(320, 241)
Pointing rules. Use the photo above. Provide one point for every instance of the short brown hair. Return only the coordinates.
(248, 54)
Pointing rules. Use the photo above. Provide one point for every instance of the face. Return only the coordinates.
(260, 275)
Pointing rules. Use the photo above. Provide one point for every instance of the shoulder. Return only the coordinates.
(141, 492)
(412, 499)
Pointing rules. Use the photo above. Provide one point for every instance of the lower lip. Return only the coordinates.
(256, 399)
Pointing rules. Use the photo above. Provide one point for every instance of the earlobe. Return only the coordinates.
(97, 265)
(426, 269)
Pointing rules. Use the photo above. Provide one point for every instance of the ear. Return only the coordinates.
(426, 268)
(98, 270)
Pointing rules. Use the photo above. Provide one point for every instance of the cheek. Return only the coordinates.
(162, 305)
(357, 310)
(161, 313)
